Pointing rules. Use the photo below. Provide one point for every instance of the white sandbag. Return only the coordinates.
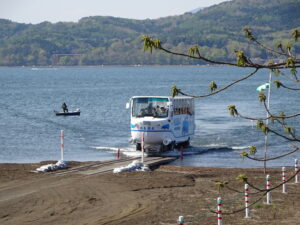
(52, 167)
(61, 164)
(134, 166)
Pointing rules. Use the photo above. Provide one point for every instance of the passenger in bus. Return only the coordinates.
(163, 110)
(176, 111)
(181, 111)
(157, 110)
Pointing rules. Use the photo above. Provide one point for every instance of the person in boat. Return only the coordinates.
(64, 107)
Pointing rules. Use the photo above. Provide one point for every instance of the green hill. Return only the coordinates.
(116, 41)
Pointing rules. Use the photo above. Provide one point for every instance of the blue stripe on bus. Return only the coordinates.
(163, 131)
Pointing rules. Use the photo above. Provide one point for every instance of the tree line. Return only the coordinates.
(117, 41)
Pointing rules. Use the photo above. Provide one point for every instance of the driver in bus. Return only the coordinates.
(150, 110)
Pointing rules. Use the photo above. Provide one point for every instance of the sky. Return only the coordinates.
(37, 11)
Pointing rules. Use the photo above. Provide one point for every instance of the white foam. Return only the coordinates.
(133, 153)
(215, 146)
(104, 148)
(127, 151)
(130, 151)
(239, 147)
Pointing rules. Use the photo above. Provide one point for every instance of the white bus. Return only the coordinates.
(162, 122)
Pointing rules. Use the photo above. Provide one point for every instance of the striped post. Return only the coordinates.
(219, 210)
(247, 212)
(283, 181)
(118, 153)
(181, 152)
(142, 146)
(62, 145)
(296, 170)
(180, 220)
(268, 188)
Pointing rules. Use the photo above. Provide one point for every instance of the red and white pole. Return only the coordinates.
(219, 210)
(118, 153)
(180, 220)
(143, 146)
(296, 170)
(268, 185)
(247, 212)
(283, 181)
(62, 145)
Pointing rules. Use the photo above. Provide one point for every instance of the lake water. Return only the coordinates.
(30, 130)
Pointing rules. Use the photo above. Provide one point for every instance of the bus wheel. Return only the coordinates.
(186, 143)
(172, 146)
(164, 147)
(168, 147)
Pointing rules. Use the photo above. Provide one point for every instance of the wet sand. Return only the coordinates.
(156, 197)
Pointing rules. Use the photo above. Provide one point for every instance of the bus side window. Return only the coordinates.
(189, 111)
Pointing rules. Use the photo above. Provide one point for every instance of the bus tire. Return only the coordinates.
(186, 144)
(172, 146)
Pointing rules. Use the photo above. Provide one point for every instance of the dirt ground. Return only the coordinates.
(156, 197)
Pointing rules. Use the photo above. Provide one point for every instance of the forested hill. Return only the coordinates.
(116, 41)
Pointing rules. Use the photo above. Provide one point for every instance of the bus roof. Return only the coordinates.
(169, 97)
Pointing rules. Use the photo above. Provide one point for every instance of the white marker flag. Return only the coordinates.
(263, 87)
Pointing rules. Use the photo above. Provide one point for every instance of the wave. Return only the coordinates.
(127, 151)
(43, 68)
(240, 147)
(192, 150)
(105, 148)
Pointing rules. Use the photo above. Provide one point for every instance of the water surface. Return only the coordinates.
(30, 130)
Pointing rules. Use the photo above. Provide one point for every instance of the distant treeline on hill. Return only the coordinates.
(116, 41)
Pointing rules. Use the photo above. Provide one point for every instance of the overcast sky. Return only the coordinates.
(36, 11)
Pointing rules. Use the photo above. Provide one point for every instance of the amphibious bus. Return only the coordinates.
(161, 123)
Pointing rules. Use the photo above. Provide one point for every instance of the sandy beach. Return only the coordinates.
(156, 197)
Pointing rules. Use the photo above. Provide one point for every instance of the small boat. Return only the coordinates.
(70, 113)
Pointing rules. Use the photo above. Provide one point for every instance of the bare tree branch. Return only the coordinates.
(273, 158)
(222, 89)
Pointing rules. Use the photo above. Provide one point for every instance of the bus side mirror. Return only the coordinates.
(127, 105)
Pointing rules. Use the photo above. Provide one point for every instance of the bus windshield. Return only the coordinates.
(155, 107)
